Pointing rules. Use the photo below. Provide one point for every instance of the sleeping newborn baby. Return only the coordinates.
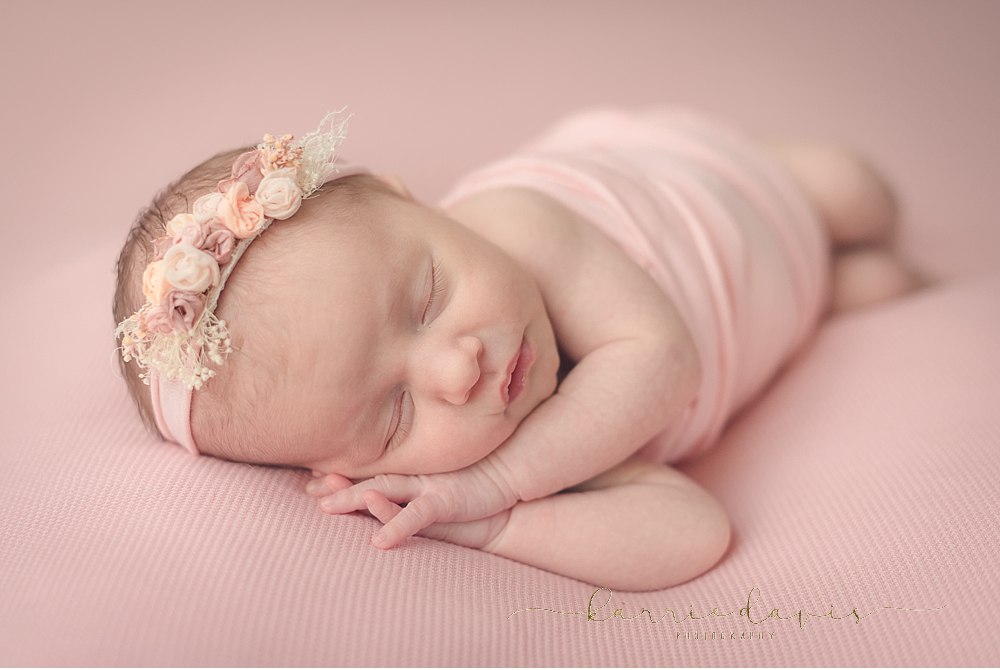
(514, 369)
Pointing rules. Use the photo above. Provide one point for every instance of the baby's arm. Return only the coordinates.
(637, 366)
(637, 369)
(637, 527)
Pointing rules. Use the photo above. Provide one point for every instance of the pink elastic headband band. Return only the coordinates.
(172, 399)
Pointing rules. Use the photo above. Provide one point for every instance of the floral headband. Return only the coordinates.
(174, 335)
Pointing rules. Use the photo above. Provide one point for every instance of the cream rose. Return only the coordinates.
(278, 194)
(190, 269)
(192, 233)
(179, 222)
(161, 245)
(205, 207)
(239, 212)
(154, 283)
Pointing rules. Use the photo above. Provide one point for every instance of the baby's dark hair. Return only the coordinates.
(138, 251)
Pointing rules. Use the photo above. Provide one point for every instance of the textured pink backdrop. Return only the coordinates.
(112, 545)
(110, 100)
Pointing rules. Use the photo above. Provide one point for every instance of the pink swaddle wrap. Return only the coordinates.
(716, 221)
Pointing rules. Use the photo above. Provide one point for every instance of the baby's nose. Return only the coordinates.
(455, 369)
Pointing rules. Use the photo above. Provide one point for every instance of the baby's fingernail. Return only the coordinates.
(329, 503)
(379, 539)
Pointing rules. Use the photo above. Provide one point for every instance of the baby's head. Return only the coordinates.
(370, 333)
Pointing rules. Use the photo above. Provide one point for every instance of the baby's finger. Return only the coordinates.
(398, 488)
(327, 484)
(467, 534)
(417, 515)
(381, 507)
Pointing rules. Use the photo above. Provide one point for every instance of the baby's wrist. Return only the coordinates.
(500, 476)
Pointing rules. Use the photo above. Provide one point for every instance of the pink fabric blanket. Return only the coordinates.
(866, 477)
(864, 481)
(717, 223)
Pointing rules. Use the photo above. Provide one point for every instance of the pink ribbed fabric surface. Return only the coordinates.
(866, 476)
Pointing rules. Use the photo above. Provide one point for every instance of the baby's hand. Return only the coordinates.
(474, 534)
(463, 495)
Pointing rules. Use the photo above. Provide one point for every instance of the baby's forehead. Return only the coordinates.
(301, 320)
(326, 280)
(333, 258)
(299, 307)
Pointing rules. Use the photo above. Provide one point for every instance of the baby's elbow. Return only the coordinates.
(688, 543)
(715, 538)
(705, 543)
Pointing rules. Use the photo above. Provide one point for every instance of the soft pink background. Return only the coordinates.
(107, 101)
(867, 476)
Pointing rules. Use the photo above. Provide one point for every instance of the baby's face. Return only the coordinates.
(414, 345)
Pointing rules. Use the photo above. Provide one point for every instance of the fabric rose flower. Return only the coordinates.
(219, 241)
(154, 282)
(178, 222)
(205, 207)
(157, 319)
(190, 269)
(279, 194)
(184, 308)
(239, 212)
(161, 245)
(192, 233)
(247, 170)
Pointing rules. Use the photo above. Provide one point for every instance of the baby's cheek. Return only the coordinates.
(307, 435)
(482, 441)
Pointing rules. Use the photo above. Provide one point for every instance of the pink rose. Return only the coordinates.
(247, 170)
(205, 207)
(219, 241)
(154, 283)
(157, 319)
(190, 269)
(278, 194)
(239, 212)
(184, 308)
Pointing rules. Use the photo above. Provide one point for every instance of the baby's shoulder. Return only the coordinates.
(528, 224)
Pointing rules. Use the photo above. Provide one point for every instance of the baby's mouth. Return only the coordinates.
(517, 372)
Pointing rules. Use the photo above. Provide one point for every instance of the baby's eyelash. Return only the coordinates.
(437, 286)
(403, 424)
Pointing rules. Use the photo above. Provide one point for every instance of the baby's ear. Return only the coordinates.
(396, 184)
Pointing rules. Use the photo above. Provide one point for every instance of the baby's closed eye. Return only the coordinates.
(437, 288)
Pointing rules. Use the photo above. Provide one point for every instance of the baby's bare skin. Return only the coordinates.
(580, 499)
(635, 370)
